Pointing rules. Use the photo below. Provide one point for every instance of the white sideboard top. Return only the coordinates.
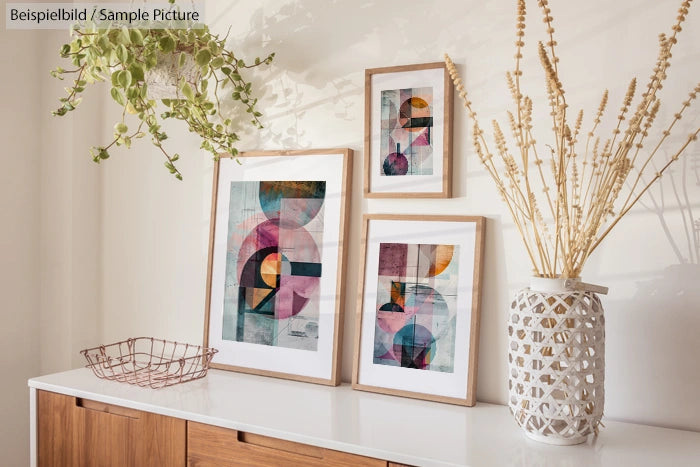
(386, 427)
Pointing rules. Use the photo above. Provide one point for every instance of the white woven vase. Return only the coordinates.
(556, 362)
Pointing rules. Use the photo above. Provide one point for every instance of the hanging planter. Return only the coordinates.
(188, 70)
(164, 78)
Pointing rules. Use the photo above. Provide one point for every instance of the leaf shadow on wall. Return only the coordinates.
(323, 48)
(661, 320)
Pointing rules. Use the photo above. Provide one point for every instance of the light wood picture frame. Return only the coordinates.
(275, 294)
(417, 321)
(408, 132)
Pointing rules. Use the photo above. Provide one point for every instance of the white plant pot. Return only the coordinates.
(163, 79)
(556, 362)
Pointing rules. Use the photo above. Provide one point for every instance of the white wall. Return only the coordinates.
(70, 216)
(49, 201)
(19, 211)
(123, 245)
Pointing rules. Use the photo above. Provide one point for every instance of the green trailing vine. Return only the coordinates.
(125, 56)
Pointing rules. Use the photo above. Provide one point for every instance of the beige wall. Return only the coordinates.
(92, 254)
(19, 241)
(50, 276)
(70, 218)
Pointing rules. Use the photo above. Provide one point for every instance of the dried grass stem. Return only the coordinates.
(584, 193)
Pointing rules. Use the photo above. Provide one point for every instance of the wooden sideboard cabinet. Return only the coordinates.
(229, 419)
(73, 431)
(212, 446)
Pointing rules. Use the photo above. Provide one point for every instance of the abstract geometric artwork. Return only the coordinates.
(408, 131)
(275, 289)
(416, 306)
(418, 311)
(406, 144)
(273, 263)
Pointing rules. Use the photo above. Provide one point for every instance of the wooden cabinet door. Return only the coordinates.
(80, 432)
(211, 446)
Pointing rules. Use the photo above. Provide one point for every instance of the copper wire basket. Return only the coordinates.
(149, 362)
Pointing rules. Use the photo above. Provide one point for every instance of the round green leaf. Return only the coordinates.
(137, 71)
(117, 96)
(136, 36)
(166, 44)
(126, 36)
(122, 53)
(124, 78)
(187, 91)
(203, 57)
(115, 78)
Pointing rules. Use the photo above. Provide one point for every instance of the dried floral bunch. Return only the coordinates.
(584, 183)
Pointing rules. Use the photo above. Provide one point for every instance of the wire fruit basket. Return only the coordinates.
(149, 362)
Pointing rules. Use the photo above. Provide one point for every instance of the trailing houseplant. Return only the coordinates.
(126, 57)
(565, 198)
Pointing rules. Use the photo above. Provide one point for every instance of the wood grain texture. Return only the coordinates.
(107, 408)
(211, 446)
(447, 136)
(470, 398)
(346, 196)
(360, 299)
(54, 430)
(448, 105)
(335, 374)
(476, 310)
(78, 432)
(210, 254)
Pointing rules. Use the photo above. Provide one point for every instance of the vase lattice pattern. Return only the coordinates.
(557, 364)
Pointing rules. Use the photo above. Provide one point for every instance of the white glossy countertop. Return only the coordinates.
(386, 427)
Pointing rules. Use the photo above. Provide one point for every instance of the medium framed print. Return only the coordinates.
(418, 308)
(408, 132)
(276, 254)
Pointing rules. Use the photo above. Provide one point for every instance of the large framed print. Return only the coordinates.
(408, 132)
(418, 309)
(276, 255)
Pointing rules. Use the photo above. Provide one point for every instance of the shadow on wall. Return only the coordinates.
(298, 25)
(684, 184)
(323, 47)
(662, 346)
(661, 320)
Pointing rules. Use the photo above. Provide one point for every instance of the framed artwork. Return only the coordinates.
(276, 254)
(418, 307)
(408, 132)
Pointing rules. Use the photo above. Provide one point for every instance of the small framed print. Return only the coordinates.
(408, 132)
(418, 307)
(276, 255)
